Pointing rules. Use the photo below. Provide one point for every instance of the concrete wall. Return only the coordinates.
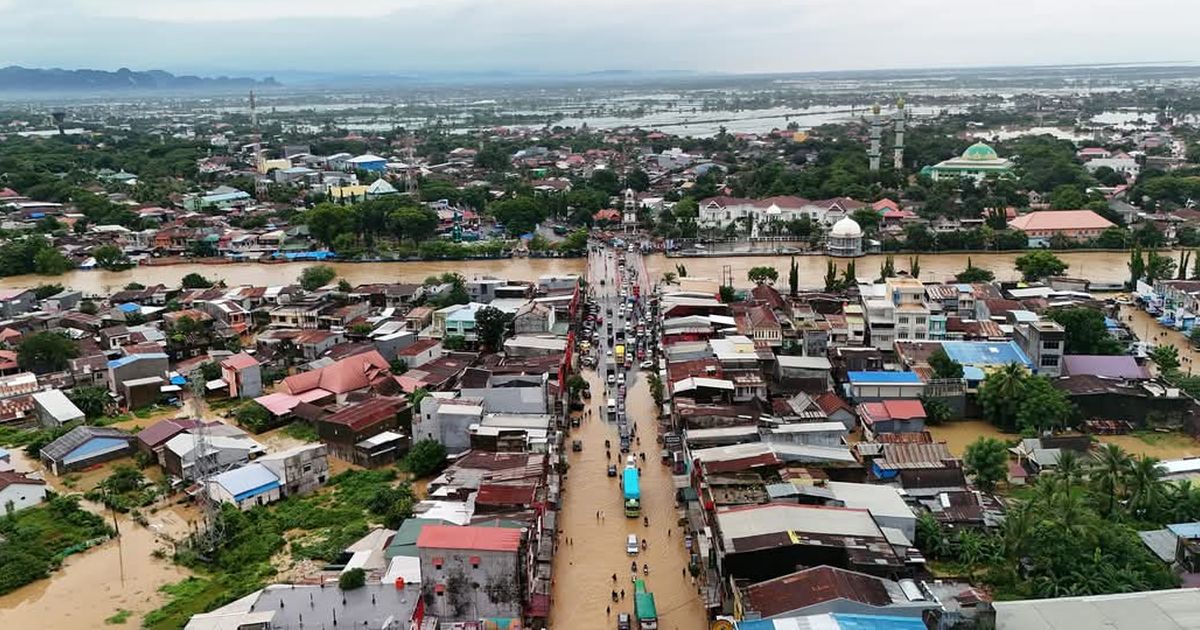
(496, 570)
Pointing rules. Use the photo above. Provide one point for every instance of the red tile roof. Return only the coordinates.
(352, 373)
(8, 478)
(476, 538)
(883, 411)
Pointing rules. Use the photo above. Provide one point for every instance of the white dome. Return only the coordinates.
(846, 228)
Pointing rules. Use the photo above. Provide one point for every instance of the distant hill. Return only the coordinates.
(18, 79)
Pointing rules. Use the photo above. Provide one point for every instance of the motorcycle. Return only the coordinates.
(645, 569)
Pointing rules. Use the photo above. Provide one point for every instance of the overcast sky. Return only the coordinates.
(396, 36)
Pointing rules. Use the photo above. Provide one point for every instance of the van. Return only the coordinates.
(631, 545)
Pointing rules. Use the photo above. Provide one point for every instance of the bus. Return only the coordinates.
(631, 491)
(644, 609)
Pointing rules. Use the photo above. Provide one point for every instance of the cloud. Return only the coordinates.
(583, 35)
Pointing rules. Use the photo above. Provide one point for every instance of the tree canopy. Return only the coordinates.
(1040, 264)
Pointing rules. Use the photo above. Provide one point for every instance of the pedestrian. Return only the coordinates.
(684, 572)
(614, 578)
(622, 594)
(608, 610)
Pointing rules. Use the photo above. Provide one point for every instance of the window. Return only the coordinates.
(920, 321)
(308, 468)
(1049, 360)
(902, 321)
(1050, 345)
(437, 562)
(474, 562)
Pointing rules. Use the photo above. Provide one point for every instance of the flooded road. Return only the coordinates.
(121, 574)
(1098, 266)
(585, 569)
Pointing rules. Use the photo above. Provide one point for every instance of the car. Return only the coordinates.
(625, 445)
(612, 470)
(631, 545)
(609, 352)
(647, 365)
(577, 446)
(621, 377)
(612, 378)
(623, 622)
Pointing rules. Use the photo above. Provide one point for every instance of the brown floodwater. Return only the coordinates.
(585, 569)
(121, 574)
(1098, 266)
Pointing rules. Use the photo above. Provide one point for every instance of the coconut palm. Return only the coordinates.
(1184, 501)
(1108, 473)
(1069, 469)
(1000, 394)
(1146, 489)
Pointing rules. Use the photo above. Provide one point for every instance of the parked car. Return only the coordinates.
(631, 545)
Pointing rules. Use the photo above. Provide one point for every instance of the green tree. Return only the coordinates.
(317, 276)
(986, 459)
(111, 258)
(43, 291)
(519, 215)
(1086, 332)
(1165, 357)
(1158, 267)
(1000, 395)
(937, 411)
(93, 401)
(831, 277)
(794, 278)
(914, 266)
(46, 351)
(1108, 474)
(1145, 491)
(352, 579)
(454, 343)
(196, 281)
(1137, 266)
(763, 274)
(51, 262)
(669, 277)
(1040, 264)
(1068, 197)
(414, 224)
(254, 417)
(974, 274)
(943, 366)
(424, 458)
(727, 294)
(1043, 407)
(492, 324)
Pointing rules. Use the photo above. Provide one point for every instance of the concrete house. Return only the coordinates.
(243, 374)
(301, 470)
(136, 378)
(488, 556)
(18, 491)
(54, 409)
(246, 486)
(15, 302)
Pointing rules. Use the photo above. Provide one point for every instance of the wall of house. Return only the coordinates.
(21, 495)
(497, 570)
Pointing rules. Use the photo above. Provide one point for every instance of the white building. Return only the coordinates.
(845, 239)
(18, 492)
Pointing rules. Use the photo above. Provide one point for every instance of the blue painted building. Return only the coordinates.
(367, 162)
(86, 446)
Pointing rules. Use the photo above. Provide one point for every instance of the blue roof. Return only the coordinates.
(127, 359)
(3, 453)
(248, 481)
(178, 380)
(972, 373)
(1185, 530)
(986, 353)
(129, 307)
(884, 377)
(231, 196)
(95, 446)
(877, 622)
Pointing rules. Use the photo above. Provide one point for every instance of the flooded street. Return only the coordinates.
(121, 574)
(583, 571)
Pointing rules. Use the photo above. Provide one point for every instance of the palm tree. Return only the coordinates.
(1018, 526)
(1069, 469)
(1146, 489)
(1111, 467)
(1002, 391)
(1185, 501)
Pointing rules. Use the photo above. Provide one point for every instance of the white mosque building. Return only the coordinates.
(845, 239)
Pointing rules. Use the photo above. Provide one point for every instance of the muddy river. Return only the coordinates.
(1097, 266)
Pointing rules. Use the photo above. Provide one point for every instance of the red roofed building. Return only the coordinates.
(489, 556)
(611, 215)
(1076, 225)
(829, 589)
(243, 375)
(892, 416)
(505, 497)
(357, 372)
(19, 491)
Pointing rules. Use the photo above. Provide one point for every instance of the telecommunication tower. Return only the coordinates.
(212, 528)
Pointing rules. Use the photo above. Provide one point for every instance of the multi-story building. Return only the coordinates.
(459, 562)
(1044, 342)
